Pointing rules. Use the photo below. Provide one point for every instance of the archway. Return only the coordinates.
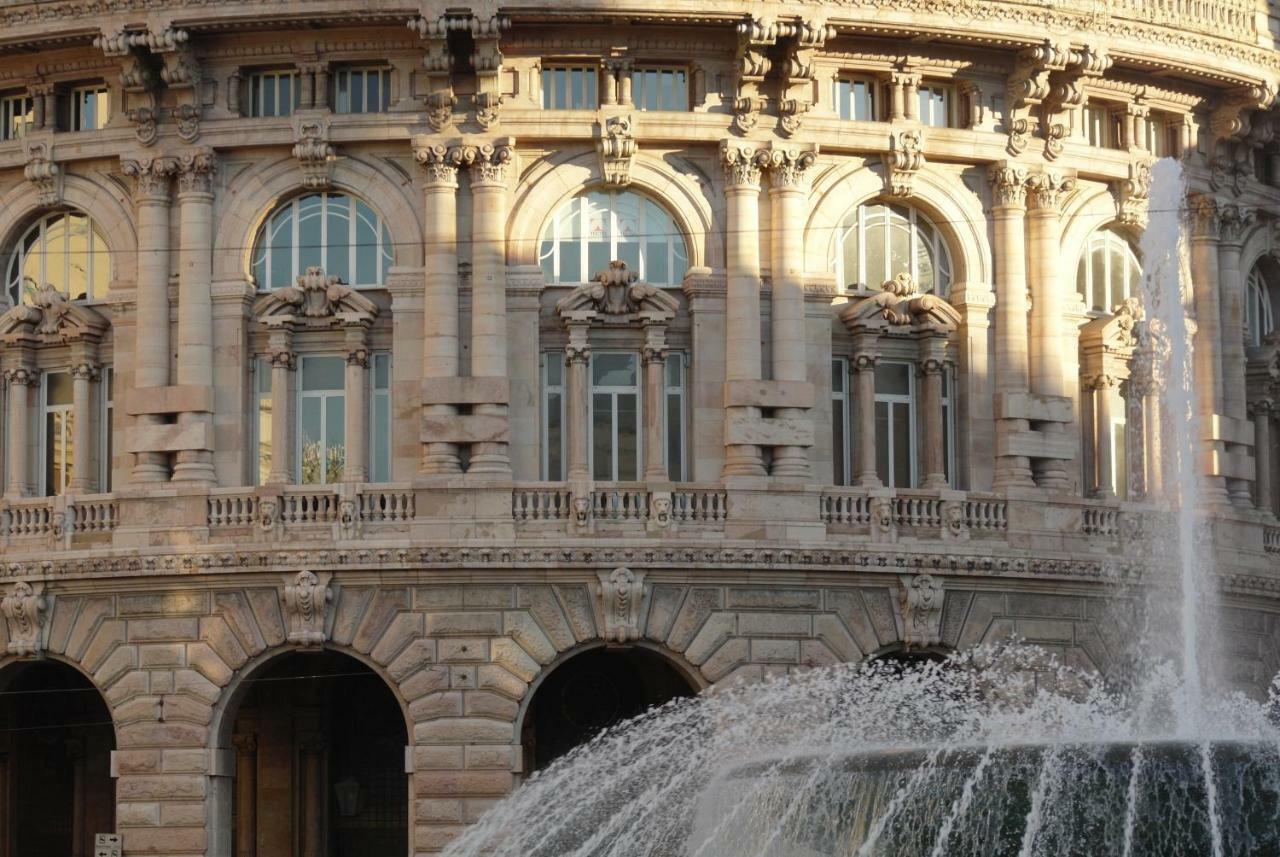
(319, 741)
(56, 738)
(592, 691)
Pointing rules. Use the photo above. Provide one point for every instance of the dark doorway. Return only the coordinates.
(56, 739)
(319, 742)
(591, 692)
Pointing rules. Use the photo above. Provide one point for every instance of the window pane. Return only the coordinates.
(55, 254)
(675, 437)
(336, 448)
(1117, 284)
(883, 441)
(322, 373)
(268, 95)
(899, 248)
(613, 370)
(554, 437)
(78, 244)
(837, 376)
(1099, 279)
(628, 436)
(380, 465)
(602, 436)
(893, 379)
(310, 433)
(338, 226)
(58, 388)
(366, 273)
(382, 372)
(310, 245)
(282, 266)
(903, 441)
(373, 96)
(877, 269)
(837, 443)
(264, 436)
(675, 370)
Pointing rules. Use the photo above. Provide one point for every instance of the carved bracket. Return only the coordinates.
(1132, 193)
(920, 608)
(313, 152)
(617, 149)
(43, 172)
(904, 159)
(26, 610)
(306, 597)
(622, 593)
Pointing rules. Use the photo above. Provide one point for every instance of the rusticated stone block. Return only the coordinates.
(728, 656)
(466, 391)
(521, 627)
(176, 399)
(718, 628)
(508, 654)
(463, 730)
(464, 624)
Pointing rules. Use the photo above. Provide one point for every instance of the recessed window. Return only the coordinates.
(839, 421)
(322, 447)
(17, 116)
(274, 93)
(895, 424)
(336, 232)
(674, 393)
(856, 99)
(937, 105)
(58, 439)
(1259, 318)
(106, 441)
(571, 87)
(553, 434)
(615, 417)
(90, 108)
(591, 230)
(262, 424)
(64, 250)
(948, 428)
(380, 419)
(660, 89)
(1102, 126)
(1159, 135)
(876, 242)
(362, 90)
(1109, 271)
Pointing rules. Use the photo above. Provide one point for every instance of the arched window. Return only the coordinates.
(65, 250)
(1109, 271)
(1258, 317)
(333, 231)
(877, 242)
(597, 227)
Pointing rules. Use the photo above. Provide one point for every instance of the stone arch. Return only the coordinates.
(1090, 209)
(107, 205)
(953, 208)
(253, 194)
(1261, 247)
(550, 182)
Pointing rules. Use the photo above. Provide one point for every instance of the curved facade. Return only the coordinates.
(483, 376)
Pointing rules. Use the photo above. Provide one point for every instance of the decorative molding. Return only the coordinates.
(622, 593)
(920, 608)
(1046, 188)
(439, 162)
(616, 297)
(617, 149)
(196, 169)
(313, 151)
(306, 597)
(1008, 185)
(26, 611)
(742, 163)
(43, 172)
(904, 159)
(1132, 194)
(151, 177)
(317, 299)
(50, 319)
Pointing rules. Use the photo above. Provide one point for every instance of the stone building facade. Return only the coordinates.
(393, 397)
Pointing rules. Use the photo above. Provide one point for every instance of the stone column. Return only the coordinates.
(195, 304)
(578, 361)
(654, 357)
(1008, 210)
(863, 367)
(1104, 393)
(1206, 354)
(283, 363)
(935, 464)
(1234, 223)
(911, 96)
(356, 382)
(82, 471)
(1261, 412)
(20, 381)
(787, 209)
(440, 303)
(315, 795)
(151, 342)
(246, 834)
(489, 290)
(1044, 195)
(742, 299)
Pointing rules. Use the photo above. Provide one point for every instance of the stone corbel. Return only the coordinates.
(1132, 193)
(43, 172)
(1028, 87)
(920, 602)
(804, 40)
(904, 159)
(438, 63)
(486, 59)
(617, 149)
(306, 597)
(755, 37)
(1066, 93)
(146, 122)
(622, 593)
(313, 151)
(1230, 167)
(1232, 116)
(26, 610)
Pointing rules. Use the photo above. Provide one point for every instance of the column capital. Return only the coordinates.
(654, 354)
(439, 162)
(1008, 185)
(488, 162)
(1046, 189)
(1102, 381)
(1234, 222)
(931, 366)
(358, 356)
(22, 376)
(1261, 407)
(84, 372)
(742, 163)
(283, 359)
(1203, 211)
(864, 362)
(577, 352)
(151, 177)
(787, 165)
(196, 169)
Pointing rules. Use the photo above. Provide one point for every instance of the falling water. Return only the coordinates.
(1000, 751)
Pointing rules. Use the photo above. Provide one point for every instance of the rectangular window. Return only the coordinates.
(262, 424)
(322, 448)
(553, 416)
(106, 442)
(677, 460)
(840, 421)
(362, 90)
(856, 99)
(58, 436)
(90, 108)
(274, 93)
(380, 420)
(895, 424)
(660, 89)
(937, 105)
(1097, 126)
(566, 87)
(615, 417)
(17, 116)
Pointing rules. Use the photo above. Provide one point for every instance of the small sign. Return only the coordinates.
(107, 845)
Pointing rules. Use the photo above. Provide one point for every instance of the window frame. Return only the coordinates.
(381, 394)
(345, 73)
(67, 439)
(639, 85)
(1107, 239)
(841, 416)
(590, 85)
(10, 113)
(101, 102)
(264, 245)
(676, 242)
(679, 392)
(325, 396)
(949, 104)
(1258, 311)
(845, 102)
(23, 248)
(255, 94)
(941, 252)
(106, 431)
(546, 391)
(614, 392)
(892, 400)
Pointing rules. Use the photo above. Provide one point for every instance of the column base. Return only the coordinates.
(440, 458)
(199, 472)
(1013, 471)
(1239, 494)
(868, 480)
(790, 462)
(490, 459)
(1051, 474)
(935, 482)
(1213, 490)
(743, 461)
(149, 473)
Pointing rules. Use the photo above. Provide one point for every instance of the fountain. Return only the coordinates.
(999, 751)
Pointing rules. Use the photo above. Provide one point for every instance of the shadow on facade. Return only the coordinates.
(319, 741)
(56, 738)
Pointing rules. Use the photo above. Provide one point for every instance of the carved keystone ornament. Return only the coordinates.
(622, 595)
(306, 598)
(920, 604)
(25, 609)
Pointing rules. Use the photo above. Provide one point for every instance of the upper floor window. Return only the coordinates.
(90, 108)
(333, 231)
(1259, 318)
(660, 89)
(17, 115)
(1159, 135)
(895, 424)
(840, 421)
(597, 227)
(876, 242)
(57, 418)
(615, 417)
(64, 250)
(856, 99)
(274, 93)
(106, 439)
(571, 87)
(380, 419)
(937, 105)
(673, 392)
(1109, 271)
(362, 90)
(1102, 126)
(321, 435)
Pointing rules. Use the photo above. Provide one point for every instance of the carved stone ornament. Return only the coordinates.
(899, 308)
(616, 297)
(313, 152)
(316, 300)
(1008, 185)
(622, 595)
(617, 150)
(151, 176)
(1045, 190)
(1133, 194)
(187, 118)
(440, 109)
(196, 169)
(145, 124)
(904, 159)
(25, 611)
(439, 162)
(742, 163)
(920, 604)
(43, 172)
(954, 526)
(306, 598)
(50, 318)
(787, 165)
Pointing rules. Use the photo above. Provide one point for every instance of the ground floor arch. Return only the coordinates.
(56, 739)
(319, 745)
(592, 690)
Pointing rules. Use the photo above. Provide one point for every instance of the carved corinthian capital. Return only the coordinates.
(787, 165)
(151, 177)
(1008, 185)
(1046, 189)
(439, 162)
(742, 163)
(489, 162)
(196, 170)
